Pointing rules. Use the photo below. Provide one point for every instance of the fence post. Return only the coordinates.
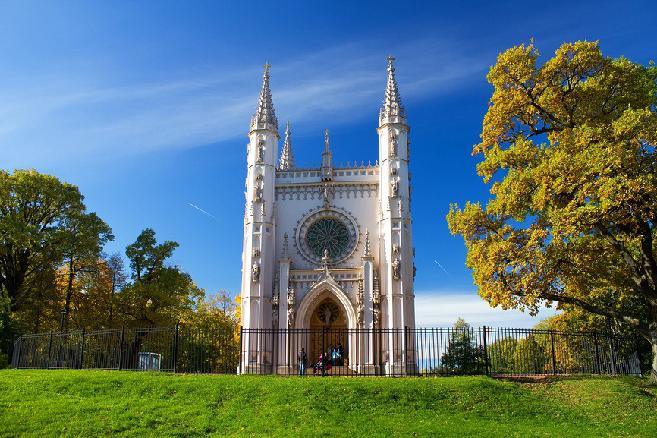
(175, 348)
(81, 360)
(598, 368)
(121, 348)
(324, 351)
(18, 347)
(49, 351)
(404, 348)
(554, 355)
(240, 365)
(487, 364)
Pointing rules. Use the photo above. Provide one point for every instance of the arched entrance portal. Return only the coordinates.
(326, 319)
(328, 332)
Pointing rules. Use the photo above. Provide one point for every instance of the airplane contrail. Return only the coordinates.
(441, 266)
(201, 210)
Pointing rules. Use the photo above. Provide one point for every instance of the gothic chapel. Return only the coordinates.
(327, 248)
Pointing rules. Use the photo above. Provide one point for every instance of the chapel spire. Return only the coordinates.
(392, 109)
(265, 116)
(286, 161)
(327, 158)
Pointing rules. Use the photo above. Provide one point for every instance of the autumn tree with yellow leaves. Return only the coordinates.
(568, 149)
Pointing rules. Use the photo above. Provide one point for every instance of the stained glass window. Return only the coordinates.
(328, 233)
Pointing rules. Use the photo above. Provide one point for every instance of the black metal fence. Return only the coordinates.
(174, 349)
(343, 352)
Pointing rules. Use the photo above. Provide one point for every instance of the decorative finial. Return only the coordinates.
(327, 159)
(367, 252)
(265, 116)
(285, 246)
(287, 157)
(392, 106)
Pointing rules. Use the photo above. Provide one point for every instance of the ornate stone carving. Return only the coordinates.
(394, 188)
(291, 311)
(255, 272)
(393, 145)
(376, 300)
(396, 268)
(285, 246)
(260, 151)
(275, 303)
(395, 249)
(392, 107)
(360, 305)
(367, 252)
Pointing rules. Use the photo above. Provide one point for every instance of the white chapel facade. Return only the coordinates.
(326, 247)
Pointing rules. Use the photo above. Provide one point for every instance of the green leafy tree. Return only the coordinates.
(159, 294)
(82, 236)
(463, 355)
(569, 148)
(33, 211)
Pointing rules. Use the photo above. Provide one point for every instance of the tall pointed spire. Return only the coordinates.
(392, 108)
(287, 157)
(265, 116)
(327, 158)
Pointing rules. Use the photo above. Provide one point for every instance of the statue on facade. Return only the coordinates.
(360, 305)
(255, 272)
(376, 314)
(396, 268)
(291, 313)
(274, 305)
(260, 151)
(394, 188)
(393, 145)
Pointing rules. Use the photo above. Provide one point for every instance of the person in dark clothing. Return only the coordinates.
(302, 359)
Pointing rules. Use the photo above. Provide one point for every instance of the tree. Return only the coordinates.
(569, 148)
(159, 295)
(463, 355)
(146, 256)
(33, 211)
(83, 236)
(118, 281)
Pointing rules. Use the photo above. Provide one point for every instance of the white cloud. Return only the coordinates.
(441, 309)
(49, 119)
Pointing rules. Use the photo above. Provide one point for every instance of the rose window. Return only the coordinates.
(328, 234)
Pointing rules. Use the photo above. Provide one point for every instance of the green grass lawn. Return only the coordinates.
(93, 403)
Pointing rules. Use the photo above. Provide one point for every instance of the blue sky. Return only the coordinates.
(145, 106)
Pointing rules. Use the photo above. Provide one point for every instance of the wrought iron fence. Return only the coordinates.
(174, 349)
(333, 352)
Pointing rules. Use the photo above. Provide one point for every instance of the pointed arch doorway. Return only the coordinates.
(329, 332)
(326, 325)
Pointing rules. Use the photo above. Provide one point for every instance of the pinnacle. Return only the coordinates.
(287, 157)
(265, 116)
(392, 106)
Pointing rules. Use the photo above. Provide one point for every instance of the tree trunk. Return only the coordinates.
(69, 295)
(653, 344)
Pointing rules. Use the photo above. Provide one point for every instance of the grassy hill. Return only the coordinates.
(92, 403)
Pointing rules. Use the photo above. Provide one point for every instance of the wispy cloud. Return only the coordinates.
(441, 309)
(196, 207)
(86, 118)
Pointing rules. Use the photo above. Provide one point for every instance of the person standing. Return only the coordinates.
(302, 358)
